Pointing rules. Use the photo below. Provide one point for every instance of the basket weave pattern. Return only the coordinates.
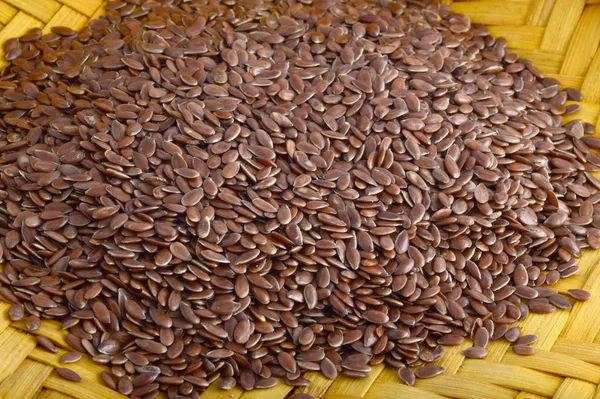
(562, 39)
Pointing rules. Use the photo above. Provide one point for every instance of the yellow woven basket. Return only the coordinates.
(561, 37)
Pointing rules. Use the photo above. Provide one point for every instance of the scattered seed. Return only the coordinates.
(512, 334)
(70, 357)
(16, 313)
(108, 380)
(429, 371)
(580, 295)
(33, 323)
(481, 338)
(523, 350)
(475, 352)
(526, 340)
(227, 383)
(45, 343)
(407, 375)
(68, 374)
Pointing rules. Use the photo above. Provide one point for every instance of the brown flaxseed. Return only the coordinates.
(68, 374)
(204, 191)
(70, 357)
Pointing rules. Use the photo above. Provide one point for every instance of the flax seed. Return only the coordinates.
(288, 198)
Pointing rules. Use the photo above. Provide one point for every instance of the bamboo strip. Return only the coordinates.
(85, 7)
(519, 37)
(40, 9)
(574, 388)
(214, 392)
(319, 385)
(539, 12)
(556, 363)
(14, 348)
(345, 385)
(86, 368)
(7, 13)
(561, 25)
(493, 12)
(49, 394)
(584, 44)
(79, 390)
(25, 381)
(588, 112)
(49, 329)
(4, 321)
(66, 16)
(590, 87)
(385, 390)
(278, 391)
(582, 350)
(584, 321)
(509, 376)
(460, 387)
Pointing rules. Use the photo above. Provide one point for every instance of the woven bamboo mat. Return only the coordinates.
(562, 38)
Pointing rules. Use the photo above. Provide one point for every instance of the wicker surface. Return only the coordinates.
(561, 37)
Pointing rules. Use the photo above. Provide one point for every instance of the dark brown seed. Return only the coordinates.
(151, 346)
(475, 352)
(560, 301)
(160, 318)
(45, 343)
(573, 94)
(513, 334)
(108, 380)
(70, 357)
(541, 308)
(227, 383)
(192, 198)
(523, 350)
(310, 296)
(375, 317)
(481, 338)
(328, 369)
(266, 383)
(180, 251)
(526, 340)
(407, 375)
(16, 313)
(287, 362)
(125, 386)
(429, 371)
(247, 380)
(101, 312)
(33, 323)
(580, 295)
(68, 374)
(451, 340)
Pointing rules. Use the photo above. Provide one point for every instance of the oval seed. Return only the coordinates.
(429, 371)
(70, 357)
(45, 343)
(68, 374)
(523, 350)
(475, 352)
(407, 375)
